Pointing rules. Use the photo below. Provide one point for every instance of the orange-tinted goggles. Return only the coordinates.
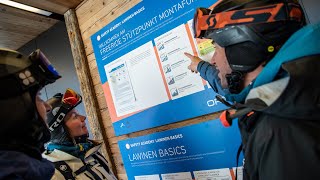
(71, 98)
(204, 21)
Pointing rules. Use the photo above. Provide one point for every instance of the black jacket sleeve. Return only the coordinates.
(281, 149)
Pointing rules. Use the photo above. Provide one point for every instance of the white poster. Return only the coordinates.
(214, 174)
(147, 177)
(177, 176)
(134, 79)
(171, 47)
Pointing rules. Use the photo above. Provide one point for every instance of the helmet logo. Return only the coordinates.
(211, 21)
(270, 13)
(55, 110)
(57, 122)
(26, 77)
(270, 48)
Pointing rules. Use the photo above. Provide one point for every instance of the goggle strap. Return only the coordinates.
(70, 97)
(270, 13)
(59, 117)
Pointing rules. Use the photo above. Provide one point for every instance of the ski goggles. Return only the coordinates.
(205, 20)
(45, 72)
(22, 73)
(69, 100)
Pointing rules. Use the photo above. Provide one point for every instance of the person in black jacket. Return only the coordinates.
(267, 65)
(23, 130)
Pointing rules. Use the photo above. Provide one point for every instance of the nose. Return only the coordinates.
(47, 106)
(83, 118)
(213, 59)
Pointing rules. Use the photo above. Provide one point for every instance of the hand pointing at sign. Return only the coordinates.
(194, 62)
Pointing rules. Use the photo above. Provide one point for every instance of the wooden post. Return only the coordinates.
(86, 85)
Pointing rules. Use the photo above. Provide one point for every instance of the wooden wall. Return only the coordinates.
(92, 16)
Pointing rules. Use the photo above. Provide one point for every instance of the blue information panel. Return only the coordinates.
(202, 151)
(143, 69)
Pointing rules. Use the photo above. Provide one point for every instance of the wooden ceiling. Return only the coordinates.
(18, 27)
(56, 6)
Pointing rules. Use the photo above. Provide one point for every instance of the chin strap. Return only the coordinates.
(234, 81)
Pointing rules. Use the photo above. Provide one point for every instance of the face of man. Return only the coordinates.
(219, 59)
(76, 123)
(42, 107)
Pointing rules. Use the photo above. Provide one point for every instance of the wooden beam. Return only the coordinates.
(18, 16)
(18, 27)
(86, 85)
(56, 6)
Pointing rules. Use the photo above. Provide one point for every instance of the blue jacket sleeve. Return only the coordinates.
(209, 73)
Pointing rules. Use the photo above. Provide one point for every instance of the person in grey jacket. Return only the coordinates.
(73, 154)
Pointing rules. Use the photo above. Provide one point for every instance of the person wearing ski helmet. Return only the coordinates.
(23, 130)
(73, 154)
(266, 63)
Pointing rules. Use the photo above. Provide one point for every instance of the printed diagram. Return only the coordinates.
(170, 80)
(174, 92)
(131, 89)
(177, 176)
(160, 46)
(147, 177)
(163, 57)
(167, 68)
(122, 88)
(214, 174)
(171, 47)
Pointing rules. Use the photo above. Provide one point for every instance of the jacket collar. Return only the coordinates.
(268, 93)
(59, 155)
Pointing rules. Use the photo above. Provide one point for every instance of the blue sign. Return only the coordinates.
(143, 69)
(206, 146)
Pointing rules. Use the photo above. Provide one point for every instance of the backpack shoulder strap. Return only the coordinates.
(68, 174)
(64, 169)
(101, 161)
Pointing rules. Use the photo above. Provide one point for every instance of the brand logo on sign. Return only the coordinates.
(212, 102)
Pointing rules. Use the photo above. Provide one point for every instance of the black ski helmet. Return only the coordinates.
(21, 78)
(251, 31)
(61, 105)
